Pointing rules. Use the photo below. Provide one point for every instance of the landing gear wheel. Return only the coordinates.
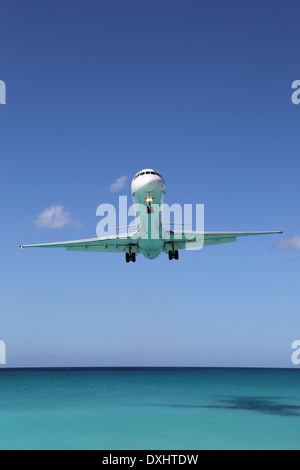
(174, 255)
(130, 257)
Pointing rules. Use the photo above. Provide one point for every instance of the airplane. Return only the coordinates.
(148, 190)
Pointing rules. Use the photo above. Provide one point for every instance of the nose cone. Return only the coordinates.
(148, 180)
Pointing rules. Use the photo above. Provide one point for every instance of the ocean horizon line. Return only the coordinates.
(137, 368)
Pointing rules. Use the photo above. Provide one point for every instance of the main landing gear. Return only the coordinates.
(130, 257)
(174, 255)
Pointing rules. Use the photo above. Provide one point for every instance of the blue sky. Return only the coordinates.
(199, 90)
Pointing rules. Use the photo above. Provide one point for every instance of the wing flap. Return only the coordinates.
(193, 240)
(105, 248)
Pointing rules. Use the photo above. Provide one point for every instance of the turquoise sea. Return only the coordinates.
(150, 409)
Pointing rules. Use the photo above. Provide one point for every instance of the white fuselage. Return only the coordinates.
(148, 191)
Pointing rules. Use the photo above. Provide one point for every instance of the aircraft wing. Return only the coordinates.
(194, 240)
(114, 244)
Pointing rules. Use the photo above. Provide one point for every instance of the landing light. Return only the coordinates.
(149, 200)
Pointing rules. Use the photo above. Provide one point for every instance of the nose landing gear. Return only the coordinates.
(174, 255)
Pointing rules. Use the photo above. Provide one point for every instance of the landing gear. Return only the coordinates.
(130, 257)
(174, 255)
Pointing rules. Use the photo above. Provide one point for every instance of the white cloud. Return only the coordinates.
(119, 184)
(54, 217)
(289, 244)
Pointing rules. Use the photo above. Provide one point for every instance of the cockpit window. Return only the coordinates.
(152, 172)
